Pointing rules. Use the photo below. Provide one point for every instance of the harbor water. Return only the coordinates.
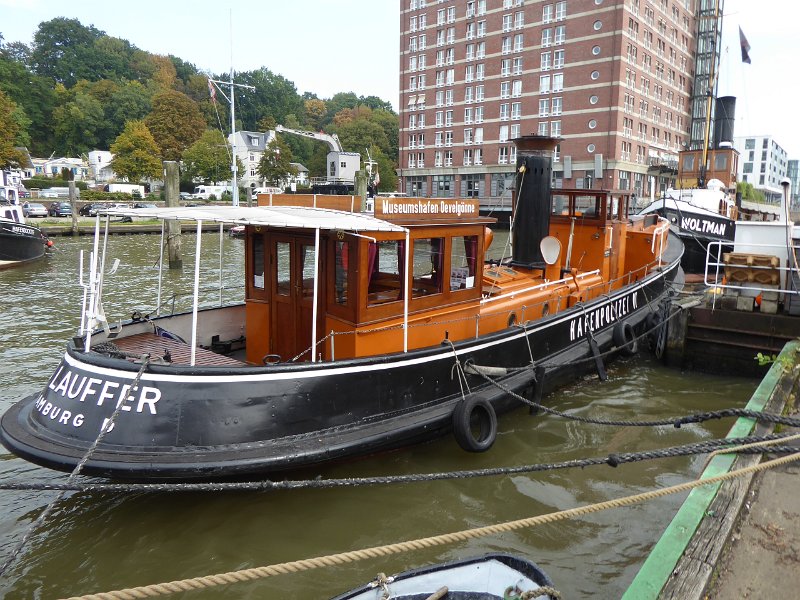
(96, 542)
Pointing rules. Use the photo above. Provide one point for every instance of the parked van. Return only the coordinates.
(205, 192)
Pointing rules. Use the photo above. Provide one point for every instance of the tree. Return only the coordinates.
(78, 124)
(136, 153)
(275, 164)
(316, 110)
(386, 167)
(209, 158)
(175, 122)
(36, 97)
(130, 102)
(9, 132)
(63, 49)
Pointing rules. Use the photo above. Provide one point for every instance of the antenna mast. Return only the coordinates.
(232, 101)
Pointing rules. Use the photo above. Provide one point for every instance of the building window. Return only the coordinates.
(558, 82)
(544, 84)
(517, 68)
(544, 107)
(546, 62)
(547, 37)
(504, 112)
(557, 104)
(555, 128)
(561, 10)
(547, 13)
(561, 34)
(558, 59)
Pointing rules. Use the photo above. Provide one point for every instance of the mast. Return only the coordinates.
(232, 101)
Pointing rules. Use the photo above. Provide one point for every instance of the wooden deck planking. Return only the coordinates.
(180, 352)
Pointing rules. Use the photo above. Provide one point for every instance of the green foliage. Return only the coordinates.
(100, 196)
(175, 122)
(78, 124)
(9, 133)
(274, 165)
(209, 158)
(749, 192)
(44, 183)
(136, 153)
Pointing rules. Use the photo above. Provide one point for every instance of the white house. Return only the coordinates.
(52, 167)
(100, 166)
(250, 146)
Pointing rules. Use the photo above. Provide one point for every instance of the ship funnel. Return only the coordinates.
(724, 117)
(532, 208)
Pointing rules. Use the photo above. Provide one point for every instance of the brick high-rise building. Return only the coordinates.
(612, 78)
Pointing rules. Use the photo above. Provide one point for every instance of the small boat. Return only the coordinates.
(19, 242)
(493, 576)
(360, 332)
(236, 231)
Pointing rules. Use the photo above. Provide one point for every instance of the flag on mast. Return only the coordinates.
(745, 47)
(211, 91)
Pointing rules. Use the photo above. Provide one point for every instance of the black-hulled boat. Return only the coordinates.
(19, 241)
(359, 332)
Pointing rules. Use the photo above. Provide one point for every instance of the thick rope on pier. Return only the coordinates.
(151, 591)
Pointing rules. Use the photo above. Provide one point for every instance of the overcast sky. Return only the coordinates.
(330, 46)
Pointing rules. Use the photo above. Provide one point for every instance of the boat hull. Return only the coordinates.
(195, 423)
(20, 243)
(491, 576)
(697, 228)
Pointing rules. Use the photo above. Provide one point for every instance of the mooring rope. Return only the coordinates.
(107, 426)
(612, 460)
(150, 591)
(676, 422)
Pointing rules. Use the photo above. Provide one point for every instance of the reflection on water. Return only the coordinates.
(100, 542)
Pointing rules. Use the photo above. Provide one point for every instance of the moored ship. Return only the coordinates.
(360, 332)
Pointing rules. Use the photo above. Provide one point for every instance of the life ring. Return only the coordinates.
(625, 338)
(478, 411)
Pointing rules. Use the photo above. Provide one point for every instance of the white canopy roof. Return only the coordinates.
(301, 217)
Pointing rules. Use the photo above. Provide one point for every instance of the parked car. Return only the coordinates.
(90, 210)
(144, 205)
(184, 195)
(34, 209)
(60, 209)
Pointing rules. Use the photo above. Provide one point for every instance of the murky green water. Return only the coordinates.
(101, 542)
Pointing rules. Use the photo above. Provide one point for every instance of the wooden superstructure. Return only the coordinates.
(452, 294)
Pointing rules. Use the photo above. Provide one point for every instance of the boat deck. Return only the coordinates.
(180, 352)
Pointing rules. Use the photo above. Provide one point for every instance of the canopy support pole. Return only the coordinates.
(196, 299)
(160, 270)
(314, 309)
(407, 293)
(92, 285)
(220, 263)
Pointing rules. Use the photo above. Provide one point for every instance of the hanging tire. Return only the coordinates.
(625, 338)
(474, 424)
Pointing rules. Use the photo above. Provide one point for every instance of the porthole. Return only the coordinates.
(593, 99)
(598, 2)
(512, 319)
(592, 124)
(590, 148)
(595, 75)
(596, 50)
(545, 310)
(598, 25)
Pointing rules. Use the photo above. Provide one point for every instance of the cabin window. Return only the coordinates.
(258, 262)
(386, 268)
(720, 162)
(342, 263)
(688, 162)
(283, 272)
(463, 262)
(308, 256)
(428, 266)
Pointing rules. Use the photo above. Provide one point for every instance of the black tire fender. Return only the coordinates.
(478, 410)
(625, 338)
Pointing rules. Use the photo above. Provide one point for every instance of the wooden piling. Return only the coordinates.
(171, 197)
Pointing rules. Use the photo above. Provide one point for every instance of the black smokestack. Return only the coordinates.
(532, 209)
(724, 117)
